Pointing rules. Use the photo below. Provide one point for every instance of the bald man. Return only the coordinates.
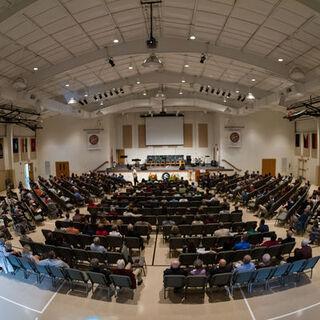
(289, 237)
(221, 267)
(175, 269)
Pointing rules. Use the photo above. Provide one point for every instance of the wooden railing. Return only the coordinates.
(101, 165)
(231, 165)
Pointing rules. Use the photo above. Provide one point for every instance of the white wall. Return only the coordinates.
(195, 118)
(63, 139)
(265, 135)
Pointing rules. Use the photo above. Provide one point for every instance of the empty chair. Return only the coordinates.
(208, 258)
(242, 277)
(114, 242)
(257, 253)
(57, 274)
(275, 251)
(287, 248)
(239, 254)
(176, 243)
(209, 242)
(101, 256)
(142, 230)
(80, 255)
(100, 279)
(296, 267)
(133, 243)
(187, 259)
(309, 265)
(221, 280)
(197, 229)
(173, 281)
(27, 266)
(14, 263)
(280, 271)
(195, 282)
(78, 276)
(113, 257)
(263, 274)
(120, 281)
(42, 272)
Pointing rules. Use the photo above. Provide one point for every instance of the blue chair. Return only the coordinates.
(296, 267)
(242, 277)
(221, 280)
(263, 274)
(310, 265)
(280, 272)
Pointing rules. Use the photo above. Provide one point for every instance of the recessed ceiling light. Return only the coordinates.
(180, 92)
(130, 67)
(186, 65)
(253, 79)
(183, 81)
(138, 82)
(144, 93)
(35, 68)
(101, 103)
(67, 85)
(86, 95)
(192, 37)
(115, 41)
(237, 91)
(280, 59)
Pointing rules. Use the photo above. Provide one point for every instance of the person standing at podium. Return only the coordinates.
(135, 176)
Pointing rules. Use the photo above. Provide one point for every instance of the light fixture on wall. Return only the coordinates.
(203, 58)
(72, 101)
(111, 62)
(250, 96)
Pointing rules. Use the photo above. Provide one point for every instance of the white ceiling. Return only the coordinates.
(46, 33)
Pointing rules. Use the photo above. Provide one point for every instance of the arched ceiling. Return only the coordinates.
(70, 42)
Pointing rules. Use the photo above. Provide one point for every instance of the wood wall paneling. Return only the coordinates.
(127, 136)
(203, 135)
(187, 135)
(142, 136)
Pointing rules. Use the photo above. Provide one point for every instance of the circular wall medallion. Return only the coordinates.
(165, 176)
(234, 137)
(93, 139)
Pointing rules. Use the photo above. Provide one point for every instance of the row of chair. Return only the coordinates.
(216, 242)
(210, 228)
(69, 275)
(187, 259)
(240, 278)
(83, 240)
(72, 255)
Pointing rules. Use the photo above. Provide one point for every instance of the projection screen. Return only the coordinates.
(164, 131)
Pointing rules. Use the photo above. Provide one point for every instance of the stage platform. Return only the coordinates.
(123, 168)
(190, 173)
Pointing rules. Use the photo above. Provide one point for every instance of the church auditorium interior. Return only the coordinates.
(159, 159)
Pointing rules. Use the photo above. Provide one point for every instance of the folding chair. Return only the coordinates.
(263, 274)
(121, 282)
(221, 280)
(100, 279)
(187, 259)
(173, 281)
(310, 265)
(195, 282)
(78, 276)
(296, 267)
(241, 277)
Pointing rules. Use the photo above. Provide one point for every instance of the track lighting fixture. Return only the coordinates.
(201, 88)
(105, 94)
(111, 62)
(121, 90)
(203, 58)
(100, 95)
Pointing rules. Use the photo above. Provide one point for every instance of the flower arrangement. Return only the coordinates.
(153, 177)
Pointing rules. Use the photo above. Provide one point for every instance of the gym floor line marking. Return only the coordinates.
(248, 306)
(294, 312)
(20, 305)
(31, 309)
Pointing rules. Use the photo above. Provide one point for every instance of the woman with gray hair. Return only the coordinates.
(198, 269)
(126, 270)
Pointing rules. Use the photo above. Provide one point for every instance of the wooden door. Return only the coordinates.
(269, 166)
(120, 152)
(31, 174)
(62, 168)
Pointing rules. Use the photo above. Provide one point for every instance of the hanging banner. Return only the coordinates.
(15, 143)
(93, 140)
(234, 138)
(1, 148)
(33, 144)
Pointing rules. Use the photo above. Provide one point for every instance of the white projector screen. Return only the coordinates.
(164, 131)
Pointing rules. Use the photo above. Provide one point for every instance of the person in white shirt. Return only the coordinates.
(115, 232)
(95, 246)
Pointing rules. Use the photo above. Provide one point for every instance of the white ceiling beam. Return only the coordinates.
(311, 4)
(166, 77)
(13, 9)
(165, 45)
